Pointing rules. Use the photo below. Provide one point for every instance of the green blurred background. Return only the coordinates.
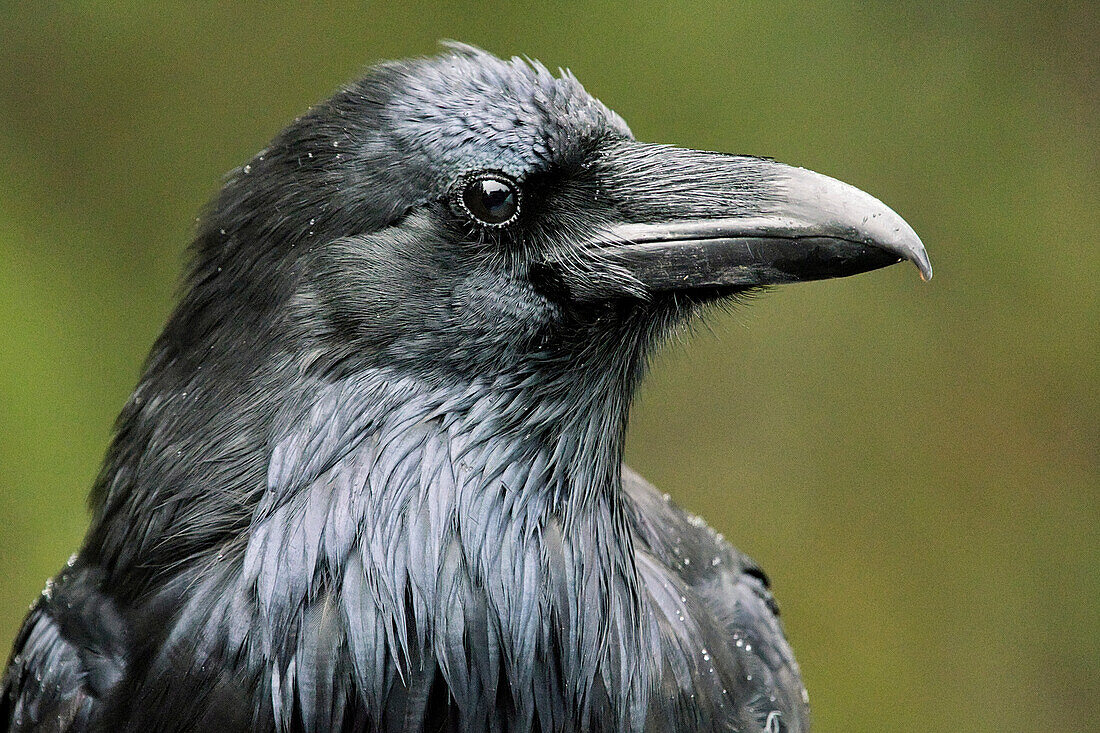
(917, 466)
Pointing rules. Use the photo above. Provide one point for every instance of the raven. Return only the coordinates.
(371, 476)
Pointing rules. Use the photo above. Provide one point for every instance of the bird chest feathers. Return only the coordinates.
(470, 534)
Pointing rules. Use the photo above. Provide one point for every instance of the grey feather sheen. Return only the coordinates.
(425, 517)
(470, 110)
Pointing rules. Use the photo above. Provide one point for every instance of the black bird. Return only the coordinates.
(371, 476)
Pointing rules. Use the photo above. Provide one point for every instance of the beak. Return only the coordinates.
(698, 220)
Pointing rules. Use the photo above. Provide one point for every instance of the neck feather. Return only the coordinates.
(478, 530)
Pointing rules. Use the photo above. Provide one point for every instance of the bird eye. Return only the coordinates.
(491, 199)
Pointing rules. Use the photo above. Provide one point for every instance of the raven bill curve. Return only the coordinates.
(802, 226)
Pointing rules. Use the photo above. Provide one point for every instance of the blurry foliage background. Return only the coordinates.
(917, 466)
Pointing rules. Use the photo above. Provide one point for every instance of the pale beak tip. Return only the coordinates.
(907, 244)
(924, 265)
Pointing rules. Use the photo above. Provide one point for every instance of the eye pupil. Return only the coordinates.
(491, 200)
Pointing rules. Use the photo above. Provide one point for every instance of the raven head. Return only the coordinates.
(468, 213)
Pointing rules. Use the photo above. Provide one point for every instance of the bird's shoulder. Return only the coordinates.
(684, 542)
(69, 653)
(742, 630)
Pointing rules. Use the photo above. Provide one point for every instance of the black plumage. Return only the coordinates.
(371, 476)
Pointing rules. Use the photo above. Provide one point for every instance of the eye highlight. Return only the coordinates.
(490, 198)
